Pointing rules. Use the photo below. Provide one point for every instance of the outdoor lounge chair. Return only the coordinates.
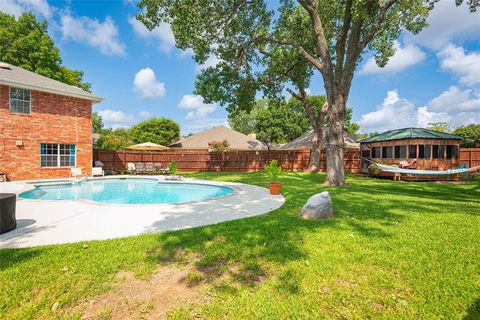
(159, 168)
(139, 167)
(149, 168)
(131, 167)
(76, 173)
(97, 171)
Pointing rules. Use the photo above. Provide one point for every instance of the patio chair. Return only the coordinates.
(139, 167)
(76, 173)
(159, 168)
(131, 167)
(97, 171)
(149, 168)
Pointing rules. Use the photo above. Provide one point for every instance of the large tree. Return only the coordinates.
(470, 135)
(24, 42)
(157, 130)
(324, 36)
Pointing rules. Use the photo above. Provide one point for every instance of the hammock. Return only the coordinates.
(387, 168)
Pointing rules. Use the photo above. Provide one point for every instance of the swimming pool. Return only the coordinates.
(127, 191)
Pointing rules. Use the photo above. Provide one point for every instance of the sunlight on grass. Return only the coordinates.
(393, 250)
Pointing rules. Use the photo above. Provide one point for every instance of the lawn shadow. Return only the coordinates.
(473, 313)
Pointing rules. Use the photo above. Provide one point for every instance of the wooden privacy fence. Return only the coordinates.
(241, 160)
(470, 157)
(202, 160)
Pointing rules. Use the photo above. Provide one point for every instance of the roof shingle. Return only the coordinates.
(410, 133)
(11, 75)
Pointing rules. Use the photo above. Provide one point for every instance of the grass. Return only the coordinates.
(393, 250)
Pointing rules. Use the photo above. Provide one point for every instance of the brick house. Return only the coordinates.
(45, 126)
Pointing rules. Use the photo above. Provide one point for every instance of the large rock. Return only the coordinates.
(318, 206)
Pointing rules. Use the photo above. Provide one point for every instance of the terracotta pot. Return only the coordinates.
(275, 187)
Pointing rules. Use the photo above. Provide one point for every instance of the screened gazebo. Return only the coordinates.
(423, 149)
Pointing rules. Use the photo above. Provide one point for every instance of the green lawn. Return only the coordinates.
(393, 250)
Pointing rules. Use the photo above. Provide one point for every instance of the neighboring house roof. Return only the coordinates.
(305, 141)
(11, 75)
(235, 139)
(410, 133)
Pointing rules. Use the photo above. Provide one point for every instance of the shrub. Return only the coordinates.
(273, 171)
(218, 146)
(374, 170)
(172, 167)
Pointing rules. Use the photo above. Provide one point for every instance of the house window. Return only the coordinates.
(412, 151)
(424, 151)
(452, 151)
(57, 155)
(438, 151)
(20, 100)
(376, 152)
(387, 152)
(400, 152)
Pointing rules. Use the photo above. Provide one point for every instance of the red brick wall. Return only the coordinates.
(53, 119)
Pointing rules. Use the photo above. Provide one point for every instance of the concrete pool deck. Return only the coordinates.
(43, 222)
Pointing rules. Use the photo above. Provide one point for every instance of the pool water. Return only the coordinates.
(128, 191)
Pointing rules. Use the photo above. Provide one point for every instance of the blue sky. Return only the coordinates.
(434, 76)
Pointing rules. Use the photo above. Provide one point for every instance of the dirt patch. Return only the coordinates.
(134, 298)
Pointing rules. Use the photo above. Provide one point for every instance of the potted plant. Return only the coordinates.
(273, 171)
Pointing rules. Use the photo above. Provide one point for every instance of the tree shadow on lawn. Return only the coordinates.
(277, 236)
(10, 257)
(473, 313)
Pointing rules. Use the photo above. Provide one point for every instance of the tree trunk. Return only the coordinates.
(314, 165)
(335, 144)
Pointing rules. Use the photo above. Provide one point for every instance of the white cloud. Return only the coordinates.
(456, 100)
(212, 61)
(393, 112)
(447, 23)
(424, 117)
(109, 115)
(197, 107)
(17, 7)
(162, 34)
(116, 119)
(453, 106)
(464, 66)
(403, 58)
(100, 35)
(145, 114)
(147, 85)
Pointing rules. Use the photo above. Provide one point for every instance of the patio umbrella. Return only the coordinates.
(148, 146)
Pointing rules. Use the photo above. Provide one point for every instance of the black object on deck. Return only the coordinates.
(8, 222)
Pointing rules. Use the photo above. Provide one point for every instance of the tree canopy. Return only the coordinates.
(24, 42)
(470, 135)
(157, 130)
(97, 123)
(281, 121)
(438, 126)
(270, 48)
(114, 139)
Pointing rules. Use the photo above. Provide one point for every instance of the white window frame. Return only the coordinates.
(10, 100)
(58, 155)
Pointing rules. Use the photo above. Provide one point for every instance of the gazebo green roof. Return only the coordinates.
(410, 133)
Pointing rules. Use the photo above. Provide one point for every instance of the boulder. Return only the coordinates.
(318, 206)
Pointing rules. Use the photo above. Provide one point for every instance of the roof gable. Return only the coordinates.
(305, 141)
(237, 140)
(11, 75)
(410, 133)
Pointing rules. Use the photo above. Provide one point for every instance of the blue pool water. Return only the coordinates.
(128, 191)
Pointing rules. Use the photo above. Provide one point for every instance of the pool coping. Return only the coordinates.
(46, 222)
